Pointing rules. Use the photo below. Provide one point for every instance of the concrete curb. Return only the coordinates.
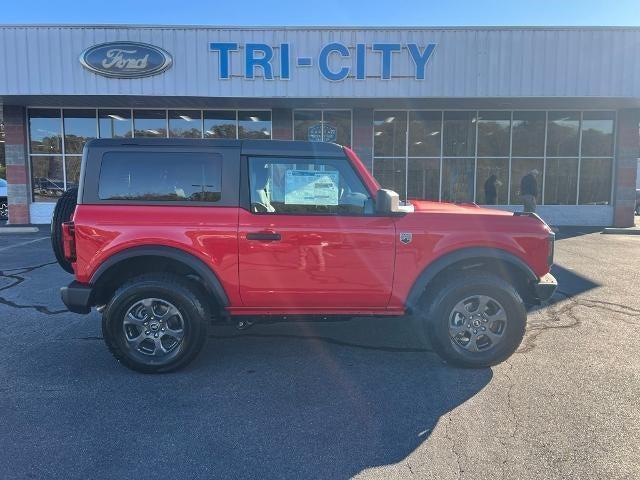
(8, 230)
(622, 231)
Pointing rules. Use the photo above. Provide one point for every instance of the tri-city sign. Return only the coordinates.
(335, 61)
(259, 57)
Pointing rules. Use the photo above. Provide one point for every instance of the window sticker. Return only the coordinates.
(309, 187)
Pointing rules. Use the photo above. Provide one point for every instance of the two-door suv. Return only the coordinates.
(166, 235)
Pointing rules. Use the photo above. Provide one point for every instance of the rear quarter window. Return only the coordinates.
(161, 177)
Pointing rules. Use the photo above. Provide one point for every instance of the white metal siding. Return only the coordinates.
(491, 62)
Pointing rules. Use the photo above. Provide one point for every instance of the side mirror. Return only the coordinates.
(387, 201)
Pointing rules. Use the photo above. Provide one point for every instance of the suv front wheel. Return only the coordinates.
(155, 323)
(476, 320)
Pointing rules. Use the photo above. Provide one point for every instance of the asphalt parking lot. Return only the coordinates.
(327, 400)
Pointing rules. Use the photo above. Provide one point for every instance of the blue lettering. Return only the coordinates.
(264, 62)
(386, 49)
(323, 61)
(361, 52)
(420, 59)
(223, 61)
(284, 61)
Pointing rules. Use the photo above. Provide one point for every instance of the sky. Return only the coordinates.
(326, 12)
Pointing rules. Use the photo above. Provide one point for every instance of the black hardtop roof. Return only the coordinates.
(247, 147)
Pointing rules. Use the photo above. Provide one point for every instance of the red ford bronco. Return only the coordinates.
(166, 235)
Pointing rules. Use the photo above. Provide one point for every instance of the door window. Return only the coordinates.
(306, 187)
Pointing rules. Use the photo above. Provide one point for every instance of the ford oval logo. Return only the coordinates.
(125, 59)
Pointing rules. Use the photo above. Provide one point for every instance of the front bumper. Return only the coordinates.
(77, 297)
(545, 288)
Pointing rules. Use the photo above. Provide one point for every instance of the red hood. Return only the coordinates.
(446, 207)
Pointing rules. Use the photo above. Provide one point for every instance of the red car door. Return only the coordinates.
(297, 254)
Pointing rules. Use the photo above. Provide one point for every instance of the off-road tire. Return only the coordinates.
(433, 316)
(183, 293)
(63, 211)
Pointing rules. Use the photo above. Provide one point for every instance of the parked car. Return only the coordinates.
(4, 205)
(165, 235)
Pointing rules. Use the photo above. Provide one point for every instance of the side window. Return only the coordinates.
(161, 176)
(306, 187)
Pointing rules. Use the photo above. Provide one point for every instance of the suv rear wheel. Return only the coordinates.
(155, 323)
(474, 321)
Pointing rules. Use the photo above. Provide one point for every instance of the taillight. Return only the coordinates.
(69, 241)
(551, 240)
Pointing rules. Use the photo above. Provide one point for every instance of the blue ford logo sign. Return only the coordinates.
(125, 59)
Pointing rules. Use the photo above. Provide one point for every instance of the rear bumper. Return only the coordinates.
(545, 288)
(77, 296)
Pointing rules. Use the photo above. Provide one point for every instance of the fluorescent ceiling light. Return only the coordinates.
(155, 132)
(419, 142)
(186, 118)
(210, 132)
(433, 134)
(378, 134)
(117, 117)
(389, 119)
(254, 119)
(266, 132)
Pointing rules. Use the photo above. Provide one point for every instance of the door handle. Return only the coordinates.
(264, 236)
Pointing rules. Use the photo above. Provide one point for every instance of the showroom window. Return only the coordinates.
(220, 124)
(115, 123)
(57, 136)
(150, 123)
(185, 124)
(322, 126)
(482, 156)
(254, 124)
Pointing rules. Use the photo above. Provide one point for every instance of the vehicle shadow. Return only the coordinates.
(297, 401)
(570, 283)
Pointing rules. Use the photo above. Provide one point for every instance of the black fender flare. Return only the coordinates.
(441, 263)
(210, 279)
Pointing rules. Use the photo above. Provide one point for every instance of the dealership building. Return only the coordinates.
(434, 113)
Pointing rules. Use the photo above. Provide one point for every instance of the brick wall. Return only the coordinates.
(16, 158)
(627, 153)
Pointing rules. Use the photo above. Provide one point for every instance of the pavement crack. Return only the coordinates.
(557, 314)
(16, 276)
(457, 454)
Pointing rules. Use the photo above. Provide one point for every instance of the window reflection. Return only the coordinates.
(115, 123)
(185, 124)
(425, 134)
(492, 181)
(597, 134)
(424, 178)
(45, 130)
(79, 127)
(459, 134)
(391, 174)
(307, 125)
(150, 123)
(563, 134)
(595, 181)
(389, 134)
(457, 179)
(494, 134)
(561, 181)
(72, 170)
(220, 124)
(47, 179)
(521, 167)
(336, 126)
(528, 134)
(254, 124)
